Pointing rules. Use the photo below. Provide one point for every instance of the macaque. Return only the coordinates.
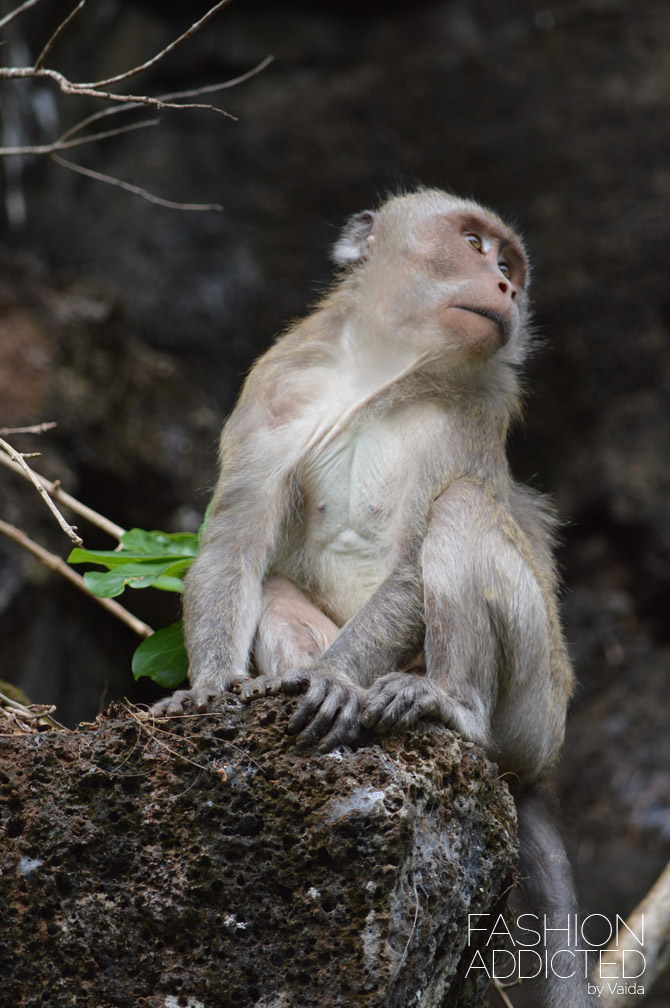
(368, 547)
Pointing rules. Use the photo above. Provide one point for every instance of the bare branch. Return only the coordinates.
(210, 88)
(21, 461)
(55, 563)
(65, 141)
(39, 62)
(35, 429)
(502, 993)
(206, 89)
(54, 490)
(17, 13)
(59, 145)
(100, 114)
(68, 87)
(95, 85)
(136, 190)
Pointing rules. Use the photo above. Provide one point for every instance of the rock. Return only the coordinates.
(205, 861)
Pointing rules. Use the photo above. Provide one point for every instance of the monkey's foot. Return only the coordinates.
(400, 700)
(253, 689)
(197, 697)
(330, 712)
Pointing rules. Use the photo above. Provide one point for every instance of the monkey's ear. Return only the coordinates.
(354, 243)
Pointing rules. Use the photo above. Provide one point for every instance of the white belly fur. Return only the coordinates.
(350, 490)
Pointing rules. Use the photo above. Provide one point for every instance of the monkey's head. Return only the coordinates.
(443, 273)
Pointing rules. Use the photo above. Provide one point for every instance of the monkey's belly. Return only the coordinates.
(349, 493)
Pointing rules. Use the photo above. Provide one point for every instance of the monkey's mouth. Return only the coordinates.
(500, 320)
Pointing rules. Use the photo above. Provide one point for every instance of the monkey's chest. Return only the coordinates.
(353, 489)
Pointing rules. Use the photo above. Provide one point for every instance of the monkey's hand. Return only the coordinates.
(330, 712)
(400, 700)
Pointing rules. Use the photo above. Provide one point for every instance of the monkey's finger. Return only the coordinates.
(259, 687)
(389, 717)
(170, 706)
(345, 728)
(308, 708)
(376, 707)
(295, 682)
(171, 709)
(422, 707)
(322, 721)
(198, 697)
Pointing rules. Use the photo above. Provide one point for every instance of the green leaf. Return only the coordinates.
(162, 657)
(173, 584)
(109, 584)
(205, 520)
(157, 544)
(105, 558)
(104, 584)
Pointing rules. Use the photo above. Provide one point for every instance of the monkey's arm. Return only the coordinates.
(496, 668)
(222, 594)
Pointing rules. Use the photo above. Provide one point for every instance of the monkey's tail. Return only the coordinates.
(549, 891)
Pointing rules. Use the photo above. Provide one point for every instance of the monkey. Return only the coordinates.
(368, 547)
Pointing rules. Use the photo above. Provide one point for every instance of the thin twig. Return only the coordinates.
(21, 461)
(29, 714)
(69, 87)
(192, 93)
(16, 13)
(502, 993)
(34, 429)
(96, 85)
(66, 141)
(39, 62)
(60, 144)
(57, 493)
(136, 190)
(100, 114)
(55, 563)
(210, 88)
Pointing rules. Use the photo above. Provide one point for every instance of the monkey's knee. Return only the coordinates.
(292, 632)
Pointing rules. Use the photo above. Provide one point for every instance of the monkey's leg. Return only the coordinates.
(292, 633)
(549, 893)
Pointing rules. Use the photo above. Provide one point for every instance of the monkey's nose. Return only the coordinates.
(504, 287)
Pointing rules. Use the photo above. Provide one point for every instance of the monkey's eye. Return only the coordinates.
(505, 270)
(474, 240)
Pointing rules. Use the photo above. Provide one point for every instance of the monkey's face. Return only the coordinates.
(480, 272)
(471, 271)
(446, 275)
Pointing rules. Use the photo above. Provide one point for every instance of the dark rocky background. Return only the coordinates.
(132, 325)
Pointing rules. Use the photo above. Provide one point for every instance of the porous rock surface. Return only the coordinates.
(205, 862)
